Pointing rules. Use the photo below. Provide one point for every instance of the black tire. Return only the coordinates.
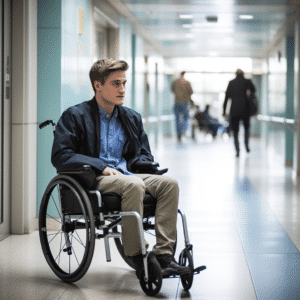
(186, 259)
(154, 283)
(65, 217)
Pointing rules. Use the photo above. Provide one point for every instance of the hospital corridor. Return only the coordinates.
(243, 222)
(210, 89)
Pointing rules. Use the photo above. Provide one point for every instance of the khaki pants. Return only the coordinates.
(132, 189)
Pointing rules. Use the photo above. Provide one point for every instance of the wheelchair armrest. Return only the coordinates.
(147, 167)
(85, 175)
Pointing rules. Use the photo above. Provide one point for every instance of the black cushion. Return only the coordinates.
(112, 202)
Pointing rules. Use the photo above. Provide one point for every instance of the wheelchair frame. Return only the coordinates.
(71, 221)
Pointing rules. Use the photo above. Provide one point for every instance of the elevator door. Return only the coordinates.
(5, 112)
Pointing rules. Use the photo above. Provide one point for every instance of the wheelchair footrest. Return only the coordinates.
(199, 269)
(195, 272)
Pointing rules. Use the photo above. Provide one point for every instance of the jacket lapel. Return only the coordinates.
(96, 117)
(124, 118)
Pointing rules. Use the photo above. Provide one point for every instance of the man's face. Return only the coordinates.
(112, 91)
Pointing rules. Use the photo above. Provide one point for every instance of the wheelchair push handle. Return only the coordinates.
(46, 123)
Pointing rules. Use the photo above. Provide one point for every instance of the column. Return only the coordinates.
(289, 108)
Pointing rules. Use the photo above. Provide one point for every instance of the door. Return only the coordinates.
(5, 113)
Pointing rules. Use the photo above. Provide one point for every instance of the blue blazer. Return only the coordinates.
(77, 138)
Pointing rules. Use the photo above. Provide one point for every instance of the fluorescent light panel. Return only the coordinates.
(186, 17)
(246, 17)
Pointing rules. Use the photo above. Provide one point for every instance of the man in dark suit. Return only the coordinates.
(237, 91)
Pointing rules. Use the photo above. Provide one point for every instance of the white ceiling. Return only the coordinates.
(229, 36)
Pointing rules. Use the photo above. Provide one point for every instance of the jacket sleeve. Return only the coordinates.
(66, 154)
(227, 96)
(144, 143)
(190, 89)
(251, 86)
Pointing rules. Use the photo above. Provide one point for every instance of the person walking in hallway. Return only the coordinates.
(237, 91)
(182, 90)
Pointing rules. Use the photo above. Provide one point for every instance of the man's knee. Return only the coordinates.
(172, 182)
(171, 186)
(135, 187)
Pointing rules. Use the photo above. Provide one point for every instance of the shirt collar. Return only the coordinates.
(103, 114)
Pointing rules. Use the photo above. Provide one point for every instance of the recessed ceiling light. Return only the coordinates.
(190, 35)
(246, 17)
(186, 17)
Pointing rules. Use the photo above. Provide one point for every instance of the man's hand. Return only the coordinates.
(110, 171)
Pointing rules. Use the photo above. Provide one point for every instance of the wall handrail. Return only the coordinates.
(162, 118)
(279, 121)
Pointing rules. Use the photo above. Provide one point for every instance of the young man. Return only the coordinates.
(109, 137)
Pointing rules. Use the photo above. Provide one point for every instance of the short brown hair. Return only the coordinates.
(101, 69)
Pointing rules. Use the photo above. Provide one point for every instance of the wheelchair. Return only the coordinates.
(73, 215)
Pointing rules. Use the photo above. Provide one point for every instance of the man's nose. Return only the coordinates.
(122, 89)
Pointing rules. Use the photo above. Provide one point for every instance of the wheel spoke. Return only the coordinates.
(55, 234)
(73, 251)
(54, 219)
(79, 239)
(56, 206)
(61, 236)
(61, 248)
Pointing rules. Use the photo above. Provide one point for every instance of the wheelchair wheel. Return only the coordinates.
(67, 228)
(186, 259)
(154, 283)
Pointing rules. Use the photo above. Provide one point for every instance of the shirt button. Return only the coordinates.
(109, 136)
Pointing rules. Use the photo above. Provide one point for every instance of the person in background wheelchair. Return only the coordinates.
(110, 138)
(208, 123)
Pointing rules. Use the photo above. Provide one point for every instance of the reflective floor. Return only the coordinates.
(243, 220)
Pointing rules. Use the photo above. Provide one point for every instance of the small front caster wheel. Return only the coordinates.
(153, 285)
(186, 259)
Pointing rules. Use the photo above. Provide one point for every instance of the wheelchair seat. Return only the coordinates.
(112, 202)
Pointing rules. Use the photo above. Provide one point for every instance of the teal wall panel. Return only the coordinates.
(49, 86)
(49, 13)
(64, 61)
(76, 54)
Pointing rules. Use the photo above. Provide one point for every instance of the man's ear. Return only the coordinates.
(97, 85)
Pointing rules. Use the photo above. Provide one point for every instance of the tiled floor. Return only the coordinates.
(243, 219)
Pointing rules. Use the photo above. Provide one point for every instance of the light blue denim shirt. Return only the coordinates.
(113, 140)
